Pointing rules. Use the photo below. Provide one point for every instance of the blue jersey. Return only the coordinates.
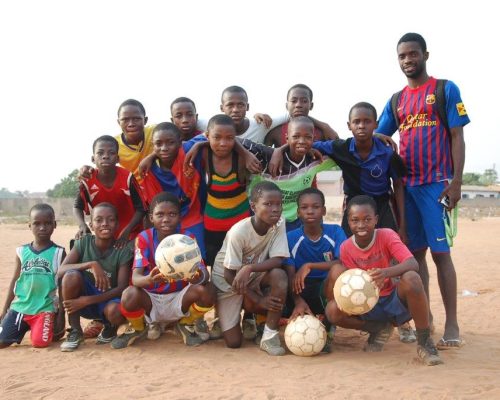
(304, 250)
(425, 145)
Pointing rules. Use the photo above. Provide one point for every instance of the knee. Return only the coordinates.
(332, 312)
(279, 279)
(208, 295)
(72, 279)
(412, 282)
(130, 297)
(113, 314)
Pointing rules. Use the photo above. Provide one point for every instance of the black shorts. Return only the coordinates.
(213, 244)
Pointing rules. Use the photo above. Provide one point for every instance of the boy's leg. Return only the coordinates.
(410, 291)
(13, 329)
(72, 289)
(42, 328)
(135, 303)
(113, 318)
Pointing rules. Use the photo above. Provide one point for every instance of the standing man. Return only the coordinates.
(433, 149)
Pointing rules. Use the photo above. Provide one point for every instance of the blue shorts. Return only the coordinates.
(94, 311)
(425, 224)
(389, 309)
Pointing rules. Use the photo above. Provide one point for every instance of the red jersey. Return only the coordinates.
(124, 195)
(384, 247)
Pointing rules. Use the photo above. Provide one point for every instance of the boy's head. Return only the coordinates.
(184, 116)
(299, 100)
(105, 152)
(165, 213)
(311, 206)
(362, 121)
(132, 118)
(362, 216)
(234, 102)
(221, 134)
(166, 142)
(42, 221)
(300, 136)
(104, 220)
(266, 202)
(412, 54)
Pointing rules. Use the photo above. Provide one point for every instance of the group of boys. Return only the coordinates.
(263, 236)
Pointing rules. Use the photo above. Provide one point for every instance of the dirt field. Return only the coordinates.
(166, 368)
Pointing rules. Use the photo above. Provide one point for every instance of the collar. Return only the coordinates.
(378, 148)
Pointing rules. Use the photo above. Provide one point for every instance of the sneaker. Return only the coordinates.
(154, 331)
(73, 340)
(327, 348)
(406, 333)
(258, 336)
(216, 331)
(201, 329)
(249, 328)
(107, 334)
(188, 334)
(428, 353)
(128, 337)
(93, 329)
(272, 346)
(376, 340)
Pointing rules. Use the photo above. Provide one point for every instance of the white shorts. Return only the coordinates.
(166, 307)
(229, 304)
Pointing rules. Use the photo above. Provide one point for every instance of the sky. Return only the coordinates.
(66, 66)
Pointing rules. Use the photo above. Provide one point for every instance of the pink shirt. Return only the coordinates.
(385, 246)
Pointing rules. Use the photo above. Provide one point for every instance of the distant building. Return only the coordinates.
(475, 191)
(331, 183)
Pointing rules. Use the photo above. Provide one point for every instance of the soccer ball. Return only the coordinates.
(355, 292)
(178, 257)
(305, 336)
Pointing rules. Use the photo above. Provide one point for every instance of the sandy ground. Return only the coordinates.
(167, 368)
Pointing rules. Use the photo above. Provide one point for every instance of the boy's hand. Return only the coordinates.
(82, 231)
(196, 278)
(145, 166)
(454, 193)
(263, 119)
(252, 164)
(300, 309)
(387, 140)
(187, 167)
(300, 277)
(316, 154)
(276, 163)
(74, 305)
(101, 279)
(240, 281)
(378, 275)
(155, 276)
(271, 303)
(84, 173)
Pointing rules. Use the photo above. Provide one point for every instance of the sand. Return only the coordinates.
(167, 369)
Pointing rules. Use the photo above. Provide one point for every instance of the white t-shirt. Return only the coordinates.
(243, 246)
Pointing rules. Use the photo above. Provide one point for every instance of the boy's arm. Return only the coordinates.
(380, 274)
(10, 292)
(136, 218)
(302, 273)
(454, 189)
(399, 196)
(328, 132)
(301, 306)
(144, 281)
(145, 164)
(240, 279)
(78, 207)
(273, 138)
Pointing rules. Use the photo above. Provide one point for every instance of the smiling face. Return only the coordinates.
(42, 224)
(300, 137)
(104, 221)
(185, 118)
(362, 221)
(299, 102)
(132, 120)
(166, 144)
(165, 217)
(412, 59)
(105, 155)
(362, 123)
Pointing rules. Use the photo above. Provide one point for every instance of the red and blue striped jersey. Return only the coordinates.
(424, 144)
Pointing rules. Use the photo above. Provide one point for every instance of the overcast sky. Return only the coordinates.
(65, 67)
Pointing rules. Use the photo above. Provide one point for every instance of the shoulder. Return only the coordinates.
(294, 234)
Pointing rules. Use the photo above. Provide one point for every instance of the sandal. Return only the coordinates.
(445, 344)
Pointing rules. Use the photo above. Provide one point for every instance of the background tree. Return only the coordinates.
(68, 187)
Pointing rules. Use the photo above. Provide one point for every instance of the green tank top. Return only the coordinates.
(36, 286)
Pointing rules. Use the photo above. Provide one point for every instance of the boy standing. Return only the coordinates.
(31, 302)
(247, 271)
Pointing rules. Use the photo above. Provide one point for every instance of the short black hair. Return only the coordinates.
(362, 200)
(233, 89)
(301, 118)
(182, 100)
(414, 37)
(164, 197)
(168, 126)
(105, 205)
(220, 119)
(300, 86)
(261, 187)
(132, 102)
(44, 207)
(366, 105)
(108, 139)
(311, 190)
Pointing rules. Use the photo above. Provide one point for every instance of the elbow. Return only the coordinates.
(414, 264)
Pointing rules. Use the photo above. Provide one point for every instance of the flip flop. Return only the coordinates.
(445, 344)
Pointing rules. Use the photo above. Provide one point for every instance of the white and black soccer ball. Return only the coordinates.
(305, 336)
(355, 292)
(178, 257)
